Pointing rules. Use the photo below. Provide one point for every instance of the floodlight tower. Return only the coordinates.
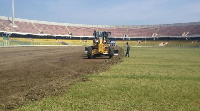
(13, 13)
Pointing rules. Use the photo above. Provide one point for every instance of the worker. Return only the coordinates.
(127, 49)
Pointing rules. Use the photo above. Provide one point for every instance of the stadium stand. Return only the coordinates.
(52, 28)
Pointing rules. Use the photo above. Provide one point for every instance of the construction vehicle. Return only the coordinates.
(102, 45)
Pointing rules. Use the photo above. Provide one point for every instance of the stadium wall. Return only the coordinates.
(141, 32)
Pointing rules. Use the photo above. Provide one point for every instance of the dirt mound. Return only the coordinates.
(31, 73)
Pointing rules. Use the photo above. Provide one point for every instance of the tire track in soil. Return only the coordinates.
(32, 73)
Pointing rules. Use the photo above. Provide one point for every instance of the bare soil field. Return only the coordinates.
(31, 73)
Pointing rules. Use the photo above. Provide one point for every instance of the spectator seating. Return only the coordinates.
(86, 30)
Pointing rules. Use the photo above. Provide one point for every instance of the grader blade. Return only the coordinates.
(86, 49)
(116, 52)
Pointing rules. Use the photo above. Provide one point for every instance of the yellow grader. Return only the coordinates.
(102, 45)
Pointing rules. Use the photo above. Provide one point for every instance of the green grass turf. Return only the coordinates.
(160, 79)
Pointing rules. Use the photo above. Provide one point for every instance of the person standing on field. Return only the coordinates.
(127, 49)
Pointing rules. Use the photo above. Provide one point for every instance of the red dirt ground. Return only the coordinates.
(31, 73)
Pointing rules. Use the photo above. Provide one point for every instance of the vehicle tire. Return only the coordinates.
(111, 52)
(89, 54)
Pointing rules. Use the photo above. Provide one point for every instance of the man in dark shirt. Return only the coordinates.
(127, 49)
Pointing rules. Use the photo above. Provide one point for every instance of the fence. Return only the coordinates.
(9, 43)
(160, 43)
(25, 42)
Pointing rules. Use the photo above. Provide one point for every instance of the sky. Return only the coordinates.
(105, 12)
